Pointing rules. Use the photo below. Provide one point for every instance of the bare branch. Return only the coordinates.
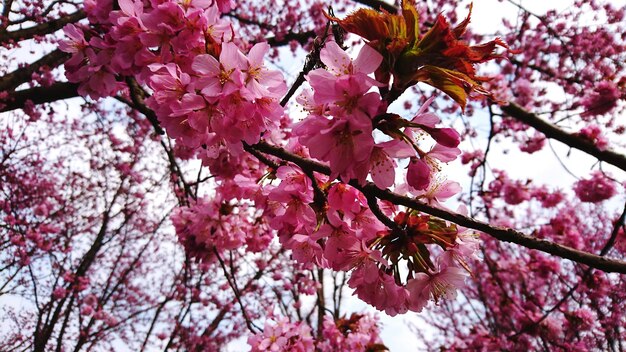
(39, 95)
(41, 29)
(570, 139)
(22, 75)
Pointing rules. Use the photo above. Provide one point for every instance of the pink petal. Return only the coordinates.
(256, 54)
(447, 190)
(368, 60)
(418, 292)
(428, 119)
(231, 57)
(127, 7)
(444, 154)
(383, 169)
(206, 64)
(335, 58)
(398, 149)
(448, 137)
(425, 106)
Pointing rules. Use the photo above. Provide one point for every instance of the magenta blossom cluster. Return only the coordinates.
(213, 94)
(601, 99)
(595, 189)
(213, 226)
(283, 336)
(211, 91)
(343, 112)
(218, 102)
(347, 236)
(354, 334)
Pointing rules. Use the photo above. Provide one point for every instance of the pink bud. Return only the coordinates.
(447, 137)
(418, 174)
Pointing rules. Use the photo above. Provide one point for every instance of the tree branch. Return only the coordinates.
(22, 75)
(137, 96)
(300, 37)
(233, 285)
(583, 278)
(500, 233)
(41, 29)
(39, 95)
(569, 139)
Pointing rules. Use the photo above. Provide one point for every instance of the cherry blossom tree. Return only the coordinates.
(183, 174)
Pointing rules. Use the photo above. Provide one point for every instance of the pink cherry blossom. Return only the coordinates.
(221, 77)
(439, 191)
(442, 284)
(261, 82)
(602, 99)
(345, 144)
(596, 189)
(283, 336)
(382, 166)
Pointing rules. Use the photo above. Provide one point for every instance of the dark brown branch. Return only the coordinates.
(44, 333)
(312, 60)
(40, 95)
(35, 16)
(137, 95)
(569, 139)
(220, 315)
(233, 285)
(248, 21)
(620, 222)
(22, 75)
(154, 321)
(545, 70)
(500, 233)
(41, 29)
(321, 302)
(504, 234)
(301, 37)
(5, 13)
(262, 158)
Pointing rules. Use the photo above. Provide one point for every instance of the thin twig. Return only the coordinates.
(569, 139)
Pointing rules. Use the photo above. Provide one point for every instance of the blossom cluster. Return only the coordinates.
(212, 226)
(347, 236)
(598, 188)
(343, 112)
(283, 336)
(518, 288)
(340, 231)
(211, 90)
(213, 94)
(200, 70)
(351, 334)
